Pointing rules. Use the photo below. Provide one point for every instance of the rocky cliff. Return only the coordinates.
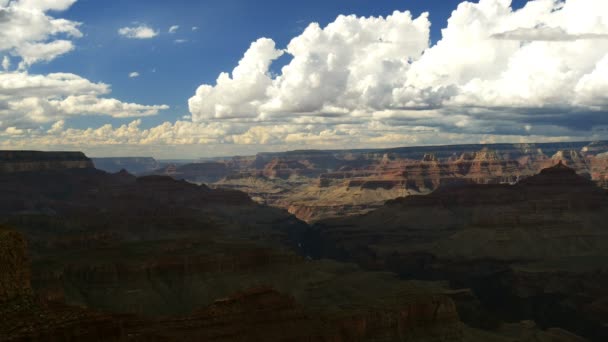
(118, 257)
(14, 266)
(316, 185)
(32, 161)
(489, 238)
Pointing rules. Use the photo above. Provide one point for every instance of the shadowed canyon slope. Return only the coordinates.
(536, 249)
(316, 185)
(111, 251)
(117, 257)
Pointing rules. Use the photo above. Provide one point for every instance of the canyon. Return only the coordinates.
(91, 255)
(534, 249)
(316, 185)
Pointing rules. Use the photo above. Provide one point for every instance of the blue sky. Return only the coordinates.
(239, 77)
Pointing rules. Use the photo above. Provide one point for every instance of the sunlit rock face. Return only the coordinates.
(317, 185)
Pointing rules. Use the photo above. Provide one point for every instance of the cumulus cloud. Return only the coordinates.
(27, 31)
(539, 73)
(349, 65)
(221, 138)
(173, 28)
(241, 94)
(138, 32)
(29, 100)
(6, 63)
(134, 74)
(495, 70)
(546, 34)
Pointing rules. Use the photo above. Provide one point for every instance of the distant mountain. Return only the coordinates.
(315, 185)
(134, 165)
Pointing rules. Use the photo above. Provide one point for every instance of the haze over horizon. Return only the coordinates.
(180, 81)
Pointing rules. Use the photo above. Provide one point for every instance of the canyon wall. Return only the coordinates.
(31, 161)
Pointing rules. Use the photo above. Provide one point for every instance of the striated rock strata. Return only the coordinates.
(28, 161)
(533, 250)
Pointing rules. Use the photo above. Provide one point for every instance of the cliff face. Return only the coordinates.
(14, 266)
(529, 251)
(155, 246)
(263, 314)
(31, 161)
(316, 185)
(25, 318)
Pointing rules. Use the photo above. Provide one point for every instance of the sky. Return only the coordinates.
(191, 79)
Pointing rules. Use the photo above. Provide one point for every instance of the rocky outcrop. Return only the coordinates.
(285, 169)
(14, 266)
(23, 317)
(321, 184)
(32, 161)
(263, 314)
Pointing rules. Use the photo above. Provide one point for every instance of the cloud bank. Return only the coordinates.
(495, 70)
(29, 34)
(539, 73)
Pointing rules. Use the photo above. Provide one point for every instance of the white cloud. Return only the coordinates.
(138, 32)
(29, 100)
(545, 33)
(13, 131)
(495, 70)
(38, 52)
(27, 31)
(347, 66)
(45, 5)
(241, 94)
(6, 63)
(221, 138)
(539, 73)
(194, 28)
(180, 41)
(133, 74)
(173, 28)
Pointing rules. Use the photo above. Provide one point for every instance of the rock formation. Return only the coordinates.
(317, 185)
(529, 251)
(14, 266)
(32, 161)
(116, 257)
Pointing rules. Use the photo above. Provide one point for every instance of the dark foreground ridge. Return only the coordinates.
(115, 257)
